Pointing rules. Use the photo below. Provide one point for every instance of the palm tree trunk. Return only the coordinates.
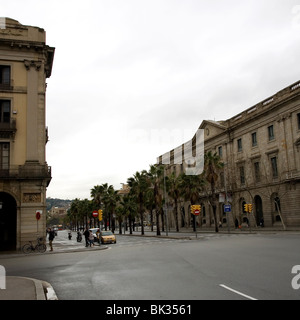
(176, 215)
(214, 207)
(142, 218)
(157, 222)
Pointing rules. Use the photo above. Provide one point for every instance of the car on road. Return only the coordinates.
(107, 237)
(94, 232)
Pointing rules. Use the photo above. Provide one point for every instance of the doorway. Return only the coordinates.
(8, 222)
(259, 211)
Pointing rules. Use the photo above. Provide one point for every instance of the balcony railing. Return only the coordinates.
(8, 129)
(26, 172)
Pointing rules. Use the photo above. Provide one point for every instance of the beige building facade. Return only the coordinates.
(260, 149)
(25, 63)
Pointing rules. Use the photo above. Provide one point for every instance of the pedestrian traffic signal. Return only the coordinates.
(100, 215)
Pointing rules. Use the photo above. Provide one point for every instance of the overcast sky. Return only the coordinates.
(133, 79)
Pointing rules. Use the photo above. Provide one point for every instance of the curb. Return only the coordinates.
(49, 292)
(19, 253)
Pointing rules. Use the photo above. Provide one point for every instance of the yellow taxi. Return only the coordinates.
(107, 237)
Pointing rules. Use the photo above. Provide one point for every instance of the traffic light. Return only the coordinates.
(250, 207)
(246, 208)
(195, 207)
(100, 215)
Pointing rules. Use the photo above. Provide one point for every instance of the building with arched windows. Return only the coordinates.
(25, 63)
(260, 149)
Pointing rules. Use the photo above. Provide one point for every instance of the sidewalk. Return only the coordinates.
(20, 288)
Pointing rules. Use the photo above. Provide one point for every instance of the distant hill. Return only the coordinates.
(54, 202)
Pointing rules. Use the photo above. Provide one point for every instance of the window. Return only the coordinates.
(256, 171)
(271, 133)
(242, 175)
(4, 155)
(239, 145)
(274, 167)
(4, 76)
(298, 118)
(4, 111)
(220, 151)
(254, 139)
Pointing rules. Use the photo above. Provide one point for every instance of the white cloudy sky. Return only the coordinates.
(134, 78)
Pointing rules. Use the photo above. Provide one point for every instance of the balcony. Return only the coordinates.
(26, 172)
(8, 129)
(4, 87)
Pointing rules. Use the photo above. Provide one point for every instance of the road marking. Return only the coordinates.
(237, 292)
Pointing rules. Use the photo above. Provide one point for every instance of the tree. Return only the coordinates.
(74, 213)
(155, 176)
(212, 165)
(191, 186)
(139, 184)
(110, 199)
(173, 187)
(129, 209)
(97, 193)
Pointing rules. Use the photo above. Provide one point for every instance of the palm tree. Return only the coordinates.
(85, 210)
(212, 165)
(110, 199)
(173, 188)
(191, 186)
(150, 205)
(74, 214)
(155, 175)
(129, 209)
(97, 194)
(139, 184)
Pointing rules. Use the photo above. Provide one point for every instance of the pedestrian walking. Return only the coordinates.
(91, 239)
(51, 238)
(86, 236)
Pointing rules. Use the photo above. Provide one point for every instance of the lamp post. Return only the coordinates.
(166, 206)
(226, 199)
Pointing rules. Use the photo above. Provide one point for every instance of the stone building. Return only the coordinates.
(25, 63)
(260, 149)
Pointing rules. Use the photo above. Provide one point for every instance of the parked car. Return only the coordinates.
(107, 237)
(94, 232)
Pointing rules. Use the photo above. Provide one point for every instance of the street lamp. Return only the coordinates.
(166, 207)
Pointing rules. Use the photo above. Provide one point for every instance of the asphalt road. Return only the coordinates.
(213, 267)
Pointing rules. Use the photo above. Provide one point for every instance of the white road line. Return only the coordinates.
(237, 292)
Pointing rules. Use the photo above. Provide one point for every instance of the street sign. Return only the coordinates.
(196, 212)
(227, 208)
(38, 215)
(95, 213)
